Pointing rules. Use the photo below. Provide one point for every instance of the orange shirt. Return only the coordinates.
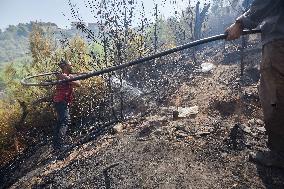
(64, 92)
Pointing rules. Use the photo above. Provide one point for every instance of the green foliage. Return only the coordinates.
(97, 48)
(176, 30)
(166, 31)
(9, 113)
(14, 42)
(40, 47)
(44, 58)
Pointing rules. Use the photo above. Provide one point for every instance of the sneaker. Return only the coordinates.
(268, 158)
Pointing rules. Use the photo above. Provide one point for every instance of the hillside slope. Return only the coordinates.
(207, 148)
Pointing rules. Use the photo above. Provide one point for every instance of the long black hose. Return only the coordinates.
(135, 62)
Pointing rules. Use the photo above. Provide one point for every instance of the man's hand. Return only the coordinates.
(234, 31)
(76, 83)
(62, 76)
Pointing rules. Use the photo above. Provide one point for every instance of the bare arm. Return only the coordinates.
(73, 83)
(76, 83)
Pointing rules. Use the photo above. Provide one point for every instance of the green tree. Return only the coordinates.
(29, 107)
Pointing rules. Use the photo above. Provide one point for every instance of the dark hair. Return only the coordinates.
(62, 63)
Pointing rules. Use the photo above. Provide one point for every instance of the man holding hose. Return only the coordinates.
(269, 14)
(62, 100)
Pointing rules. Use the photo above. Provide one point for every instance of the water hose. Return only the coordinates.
(131, 63)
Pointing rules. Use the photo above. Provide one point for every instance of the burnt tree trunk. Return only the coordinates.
(199, 20)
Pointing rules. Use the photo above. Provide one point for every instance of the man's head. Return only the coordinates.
(65, 66)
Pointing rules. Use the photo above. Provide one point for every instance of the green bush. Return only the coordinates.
(25, 109)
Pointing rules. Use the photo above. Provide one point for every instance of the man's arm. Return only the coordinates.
(76, 83)
(64, 76)
(259, 10)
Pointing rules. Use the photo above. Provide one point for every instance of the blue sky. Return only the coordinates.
(13, 12)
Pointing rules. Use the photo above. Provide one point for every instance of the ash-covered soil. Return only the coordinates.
(208, 149)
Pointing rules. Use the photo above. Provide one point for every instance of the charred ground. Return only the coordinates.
(208, 149)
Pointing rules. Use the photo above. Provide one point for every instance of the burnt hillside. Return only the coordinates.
(217, 122)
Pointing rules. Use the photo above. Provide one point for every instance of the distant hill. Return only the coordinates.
(14, 41)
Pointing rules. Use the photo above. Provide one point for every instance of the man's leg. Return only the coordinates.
(271, 95)
(60, 129)
(275, 122)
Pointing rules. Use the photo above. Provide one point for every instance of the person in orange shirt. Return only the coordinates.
(62, 99)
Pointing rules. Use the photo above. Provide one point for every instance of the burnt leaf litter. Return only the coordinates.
(137, 142)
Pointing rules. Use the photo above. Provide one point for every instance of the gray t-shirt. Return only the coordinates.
(269, 14)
